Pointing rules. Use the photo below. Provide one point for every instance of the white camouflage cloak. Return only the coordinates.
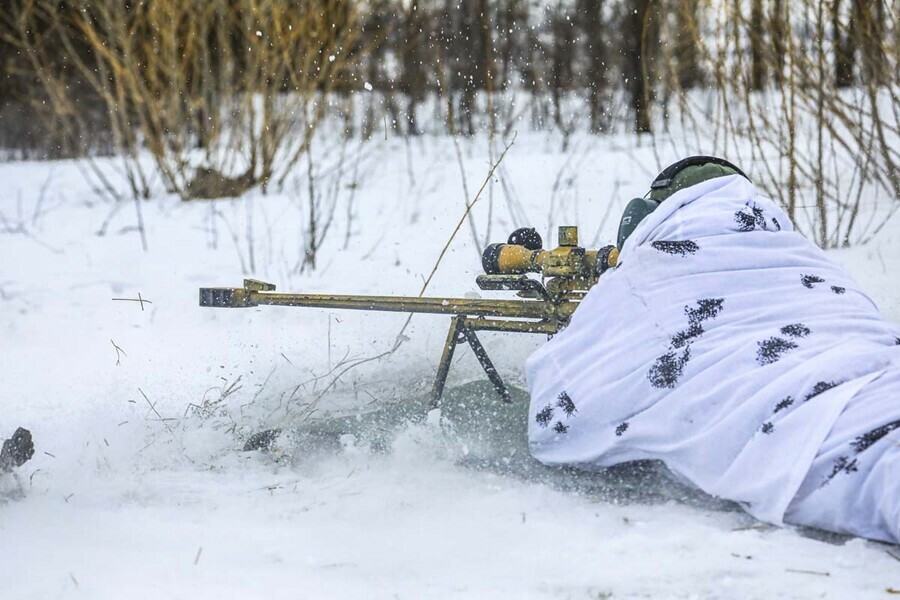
(731, 348)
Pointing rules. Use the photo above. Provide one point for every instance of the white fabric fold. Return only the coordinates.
(726, 345)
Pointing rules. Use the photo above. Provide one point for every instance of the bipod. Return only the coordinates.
(462, 329)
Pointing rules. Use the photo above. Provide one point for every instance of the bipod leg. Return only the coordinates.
(453, 338)
(485, 360)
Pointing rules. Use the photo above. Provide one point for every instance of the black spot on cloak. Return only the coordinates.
(621, 429)
(682, 247)
(565, 402)
(748, 221)
(544, 417)
(860, 444)
(809, 281)
(707, 308)
(864, 441)
(668, 368)
(842, 464)
(820, 388)
(772, 349)
(796, 330)
(784, 404)
(776, 224)
(767, 428)
(560, 428)
(744, 221)
(838, 289)
(683, 337)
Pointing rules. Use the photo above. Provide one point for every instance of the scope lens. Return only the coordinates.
(490, 259)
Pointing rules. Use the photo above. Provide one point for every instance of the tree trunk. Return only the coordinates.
(870, 33)
(778, 29)
(412, 77)
(687, 44)
(485, 30)
(844, 47)
(757, 50)
(561, 60)
(637, 63)
(591, 20)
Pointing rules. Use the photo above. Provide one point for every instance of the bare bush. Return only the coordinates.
(225, 94)
(809, 88)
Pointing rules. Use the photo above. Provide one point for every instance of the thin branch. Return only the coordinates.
(119, 352)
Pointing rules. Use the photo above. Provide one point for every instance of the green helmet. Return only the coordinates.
(678, 176)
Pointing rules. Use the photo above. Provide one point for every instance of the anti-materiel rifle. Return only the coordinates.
(545, 306)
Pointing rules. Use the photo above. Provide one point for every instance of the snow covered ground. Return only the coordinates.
(137, 489)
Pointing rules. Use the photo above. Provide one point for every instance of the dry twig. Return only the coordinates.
(119, 352)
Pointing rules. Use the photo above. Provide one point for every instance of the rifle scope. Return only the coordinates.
(523, 253)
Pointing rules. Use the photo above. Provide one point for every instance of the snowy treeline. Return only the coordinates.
(648, 50)
(228, 95)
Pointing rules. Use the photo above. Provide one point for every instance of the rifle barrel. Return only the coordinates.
(525, 309)
(516, 309)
